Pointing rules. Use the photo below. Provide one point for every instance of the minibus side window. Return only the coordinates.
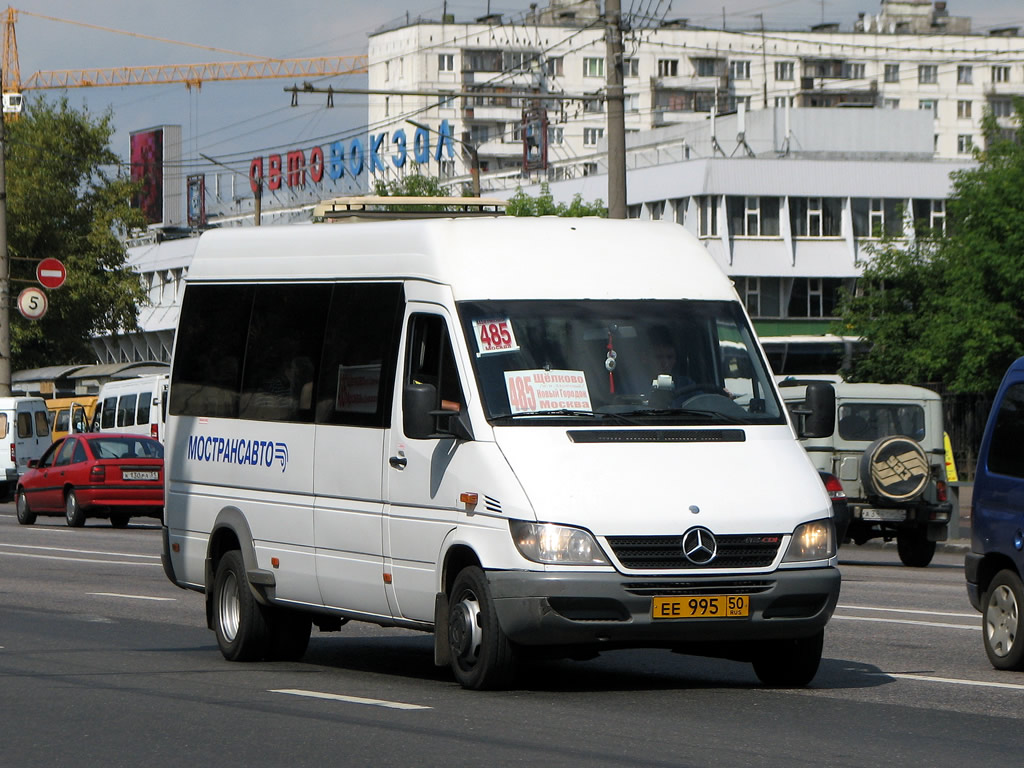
(1005, 456)
(209, 350)
(145, 401)
(109, 413)
(430, 360)
(357, 373)
(126, 410)
(286, 334)
(42, 424)
(24, 424)
(3, 425)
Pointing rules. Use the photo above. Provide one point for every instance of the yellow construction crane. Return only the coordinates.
(191, 75)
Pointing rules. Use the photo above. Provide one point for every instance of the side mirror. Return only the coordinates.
(820, 416)
(33, 463)
(420, 420)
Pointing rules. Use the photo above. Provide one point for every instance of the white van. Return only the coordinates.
(137, 406)
(24, 435)
(463, 426)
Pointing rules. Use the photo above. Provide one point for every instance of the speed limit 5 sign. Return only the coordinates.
(32, 303)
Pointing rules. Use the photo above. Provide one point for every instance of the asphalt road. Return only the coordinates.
(105, 663)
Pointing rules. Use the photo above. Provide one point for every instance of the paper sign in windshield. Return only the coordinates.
(540, 390)
(494, 336)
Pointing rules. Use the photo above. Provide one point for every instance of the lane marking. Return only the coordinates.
(348, 699)
(79, 551)
(948, 680)
(974, 628)
(131, 597)
(908, 610)
(76, 559)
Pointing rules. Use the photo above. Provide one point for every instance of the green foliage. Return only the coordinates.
(62, 202)
(521, 204)
(950, 309)
(413, 185)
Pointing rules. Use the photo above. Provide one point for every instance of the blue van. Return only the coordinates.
(996, 561)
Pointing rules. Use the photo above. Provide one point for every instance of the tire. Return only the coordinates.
(789, 663)
(895, 469)
(289, 634)
(119, 519)
(73, 512)
(914, 548)
(482, 656)
(1001, 621)
(238, 620)
(25, 515)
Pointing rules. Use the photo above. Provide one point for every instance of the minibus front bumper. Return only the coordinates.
(612, 610)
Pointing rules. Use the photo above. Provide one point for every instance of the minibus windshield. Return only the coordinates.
(664, 362)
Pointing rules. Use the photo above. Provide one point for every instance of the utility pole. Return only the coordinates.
(616, 111)
(5, 275)
(764, 62)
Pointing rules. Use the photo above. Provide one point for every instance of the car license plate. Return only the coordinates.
(704, 607)
(137, 474)
(888, 515)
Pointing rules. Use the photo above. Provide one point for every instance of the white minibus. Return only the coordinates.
(137, 405)
(529, 437)
(24, 435)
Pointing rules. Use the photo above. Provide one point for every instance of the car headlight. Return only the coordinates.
(556, 544)
(812, 541)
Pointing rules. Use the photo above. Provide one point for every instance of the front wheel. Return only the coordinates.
(914, 548)
(1000, 621)
(238, 620)
(73, 513)
(25, 515)
(789, 663)
(482, 655)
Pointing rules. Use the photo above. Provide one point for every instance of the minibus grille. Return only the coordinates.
(666, 552)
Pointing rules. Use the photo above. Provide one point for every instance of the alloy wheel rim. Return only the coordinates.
(1002, 619)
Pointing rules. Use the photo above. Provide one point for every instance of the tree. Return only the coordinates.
(62, 201)
(950, 308)
(413, 185)
(521, 204)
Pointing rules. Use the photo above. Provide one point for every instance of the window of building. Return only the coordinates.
(593, 105)
(556, 134)
(707, 215)
(963, 109)
(890, 104)
(814, 296)
(446, 168)
(929, 217)
(706, 67)
(1001, 107)
(589, 169)
(816, 216)
(964, 74)
(678, 213)
(930, 105)
(1000, 74)
(631, 68)
(481, 61)
(479, 134)
(749, 289)
(739, 70)
(892, 73)
(593, 66)
(553, 66)
(783, 101)
(591, 136)
(668, 67)
(964, 144)
(928, 73)
(877, 217)
(853, 71)
(753, 216)
(783, 70)
(446, 62)
(631, 102)
(445, 101)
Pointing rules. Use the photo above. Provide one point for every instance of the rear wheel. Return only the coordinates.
(789, 663)
(119, 519)
(73, 513)
(914, 548)
(238, 620)
(1001, 621)
(25, 515)
(482, 655)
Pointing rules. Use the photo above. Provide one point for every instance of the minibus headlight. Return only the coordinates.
(556, 544)
(812, 541)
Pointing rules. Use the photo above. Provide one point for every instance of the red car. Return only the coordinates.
(99, 474)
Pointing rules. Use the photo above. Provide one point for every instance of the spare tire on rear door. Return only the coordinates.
(894, 469)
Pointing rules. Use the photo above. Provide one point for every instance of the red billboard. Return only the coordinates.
(147, 159)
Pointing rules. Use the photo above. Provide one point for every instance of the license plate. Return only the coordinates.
(704, 607)
(889, 515)
(136, 474)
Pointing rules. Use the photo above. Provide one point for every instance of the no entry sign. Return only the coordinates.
(51, 273)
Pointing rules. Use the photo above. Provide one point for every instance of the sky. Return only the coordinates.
(235, 121)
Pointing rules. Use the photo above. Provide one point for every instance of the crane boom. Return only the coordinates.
(196, 74)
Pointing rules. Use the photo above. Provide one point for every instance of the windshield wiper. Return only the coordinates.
(705, 413)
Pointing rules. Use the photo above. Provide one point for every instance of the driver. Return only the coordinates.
(667, 373)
